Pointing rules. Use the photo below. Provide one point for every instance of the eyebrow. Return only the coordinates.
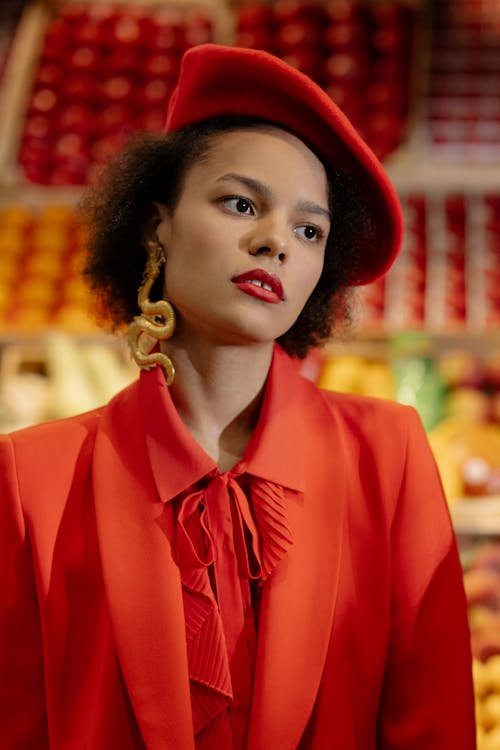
(262, 189)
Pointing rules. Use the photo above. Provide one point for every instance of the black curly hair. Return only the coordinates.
(151, 168)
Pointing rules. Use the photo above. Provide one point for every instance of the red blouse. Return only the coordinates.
(231, 532)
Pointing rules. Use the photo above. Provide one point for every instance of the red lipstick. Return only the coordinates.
(260, 284)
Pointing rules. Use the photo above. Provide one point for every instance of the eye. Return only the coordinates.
(239, 205)
(310, 233)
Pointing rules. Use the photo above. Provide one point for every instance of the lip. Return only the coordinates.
(272, 295)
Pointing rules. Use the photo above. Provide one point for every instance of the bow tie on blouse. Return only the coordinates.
(221, 547)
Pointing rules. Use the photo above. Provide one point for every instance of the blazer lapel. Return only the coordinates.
(298, 603)
(141, 580)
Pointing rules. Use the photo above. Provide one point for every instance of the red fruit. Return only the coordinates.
(126, 30)
(38, 127)
(291, 10)
(77, 118)
(343, 36)
(304, 59)
(343, 66)
(342, 11)
(79, 86)
(254, 16)
(161, 65)
(69, 144)
(44, 101)
(117, 89)
(115, 116)
(123, 59)
(57, 39)
(297, 34)
(163, 39)
(89, 33)
(85, 59)
(49, 75)
(154, 92)
(255, 38)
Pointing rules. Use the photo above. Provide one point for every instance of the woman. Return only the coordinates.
(225, 556)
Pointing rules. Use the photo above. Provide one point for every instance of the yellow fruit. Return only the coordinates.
(491, 740)
(492, 673)
(8, 271)
(50, 239)
(76, 290)
(378, 380)
(480, 617)
(4, 294)
(479, 676)
(30, 318)
(467, 402)
(44, 263)
(342, 373)
(15, 216)
(74, 263)
(57, 215)
(38, 290)
(490, 711)
(12, 243)
(74, 319)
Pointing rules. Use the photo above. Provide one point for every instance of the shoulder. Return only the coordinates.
(44, 449)
(368, 418)
(40, 464)
(57, 441)
(66, 430)
(55, 432)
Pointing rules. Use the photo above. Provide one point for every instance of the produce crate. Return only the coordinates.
(364, 54)
(79, 82)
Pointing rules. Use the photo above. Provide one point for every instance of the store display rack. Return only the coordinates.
(446, 280)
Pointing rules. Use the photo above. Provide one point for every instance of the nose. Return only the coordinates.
(268, 237)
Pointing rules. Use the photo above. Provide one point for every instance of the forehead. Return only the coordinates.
(265, 153)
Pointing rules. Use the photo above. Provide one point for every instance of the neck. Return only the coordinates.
(217, 392)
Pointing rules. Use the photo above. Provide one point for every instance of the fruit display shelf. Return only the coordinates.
(481, 562)
(58, 375)
(454, 383)
(462, 106)
(59, 125)
(478, 517)
(447, 276)
(10, 13)
(80, 82)
(40, 270)
(362, 53)
(120, 60)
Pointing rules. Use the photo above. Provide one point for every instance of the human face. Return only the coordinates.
(245, 242)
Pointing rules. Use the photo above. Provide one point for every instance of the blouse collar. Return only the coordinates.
(273, 452)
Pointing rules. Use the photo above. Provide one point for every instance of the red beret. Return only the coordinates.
(217, 80)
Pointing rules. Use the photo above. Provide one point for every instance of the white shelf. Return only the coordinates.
(420, 172)
(476, 516)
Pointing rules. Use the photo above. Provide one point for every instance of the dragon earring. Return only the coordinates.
(157, 319)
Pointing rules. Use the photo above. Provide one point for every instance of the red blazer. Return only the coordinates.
(363, 639)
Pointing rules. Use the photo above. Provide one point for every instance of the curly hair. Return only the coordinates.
(151, 168)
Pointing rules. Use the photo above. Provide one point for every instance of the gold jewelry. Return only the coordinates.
(157, 319)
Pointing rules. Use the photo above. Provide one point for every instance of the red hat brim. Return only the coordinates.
(217, 80)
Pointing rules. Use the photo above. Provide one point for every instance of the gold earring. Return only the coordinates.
(157, 319)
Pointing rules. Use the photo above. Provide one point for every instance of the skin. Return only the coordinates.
(258, 199)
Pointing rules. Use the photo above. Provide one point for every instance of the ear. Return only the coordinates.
(157, 226)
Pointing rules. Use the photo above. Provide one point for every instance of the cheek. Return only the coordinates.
(313, 274)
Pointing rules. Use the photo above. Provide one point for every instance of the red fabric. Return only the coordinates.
(362, 640)
(220, 548)
(217, 80)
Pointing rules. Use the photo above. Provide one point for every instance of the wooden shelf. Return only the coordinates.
(476, 516)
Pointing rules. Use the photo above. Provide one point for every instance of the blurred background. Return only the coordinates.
(419, 79)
